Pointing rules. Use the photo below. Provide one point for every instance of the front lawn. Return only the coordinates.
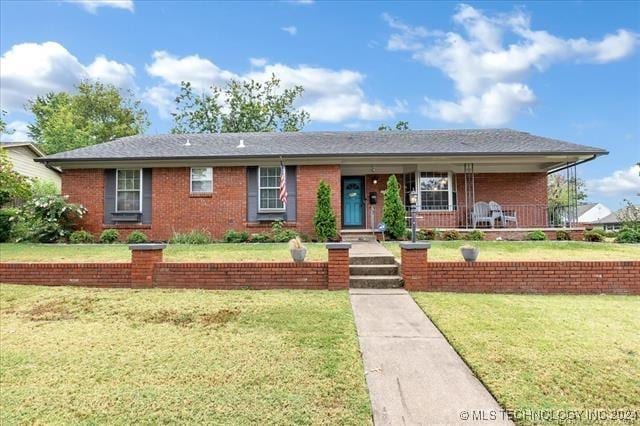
(223, 252)
(529, 250)
(73, 355)
(546, 352)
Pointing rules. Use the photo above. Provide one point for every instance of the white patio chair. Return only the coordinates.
(482, 214)
(505, 216)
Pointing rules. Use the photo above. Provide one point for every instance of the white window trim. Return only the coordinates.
(260, 209)
(191, 180)
(450, 206)
(141, 191)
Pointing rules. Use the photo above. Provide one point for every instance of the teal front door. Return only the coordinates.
(353, 202)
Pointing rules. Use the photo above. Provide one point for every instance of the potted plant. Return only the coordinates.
(470, 253)
(298, 251)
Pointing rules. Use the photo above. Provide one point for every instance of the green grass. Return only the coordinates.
(73, 355)
(530, 250)
(227, 252)
(546, 352)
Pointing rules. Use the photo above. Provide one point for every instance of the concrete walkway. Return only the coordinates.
(414, 376)
(368, 248)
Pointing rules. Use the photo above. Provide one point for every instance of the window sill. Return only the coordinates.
(126, 225)
(201, 195)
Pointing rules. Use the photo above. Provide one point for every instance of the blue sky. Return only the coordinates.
(565, 70)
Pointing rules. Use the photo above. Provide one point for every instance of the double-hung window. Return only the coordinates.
(437, 191)
(269, 189)
(201, 180)
(128, 190)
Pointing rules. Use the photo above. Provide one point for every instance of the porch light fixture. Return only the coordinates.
(413, 200)
(375, 179)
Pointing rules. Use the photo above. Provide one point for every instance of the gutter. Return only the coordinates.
(575, 163)
(320, 155)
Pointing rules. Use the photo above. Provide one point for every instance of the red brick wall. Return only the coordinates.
(308, 178)
(534, 277)
(174, 209)
(81, 274)
(414, 268)
(338, 272)
(86, 187)
(265, 275)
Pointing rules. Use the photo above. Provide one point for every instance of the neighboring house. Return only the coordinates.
(592, 212)
(22, 155)
(215, 182)
(613, 221)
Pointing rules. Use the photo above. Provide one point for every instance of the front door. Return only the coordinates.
(353, 202)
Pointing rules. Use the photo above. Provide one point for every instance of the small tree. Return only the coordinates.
(13, 186)
(324, 220)
(393, 211)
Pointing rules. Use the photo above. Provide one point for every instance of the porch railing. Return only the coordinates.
(508, 216)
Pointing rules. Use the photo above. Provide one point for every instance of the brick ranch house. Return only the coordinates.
(161, 184)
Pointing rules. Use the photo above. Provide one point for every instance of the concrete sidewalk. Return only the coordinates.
(414, 376)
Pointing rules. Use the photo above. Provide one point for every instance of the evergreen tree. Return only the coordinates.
(393, 211)
(324, 220)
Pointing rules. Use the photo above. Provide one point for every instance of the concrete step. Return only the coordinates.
(372, 260)
(356, 238)
(360, 270)
(375, 281)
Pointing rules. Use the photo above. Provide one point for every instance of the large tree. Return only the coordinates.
(558, 191)
(96, 113)
(239, 106)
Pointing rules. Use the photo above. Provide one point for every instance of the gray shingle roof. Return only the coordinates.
(312, 144)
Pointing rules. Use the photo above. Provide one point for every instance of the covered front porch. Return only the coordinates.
(508, 196)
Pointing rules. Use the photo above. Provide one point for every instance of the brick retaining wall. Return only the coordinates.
(227, 276)
(622, 277)
(80, 274)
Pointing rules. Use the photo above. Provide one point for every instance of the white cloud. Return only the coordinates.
(292, 30)
(488, 72)
(619, 183)
(302, 2)
(492, 108)
(19, 131)
(92, 6)
(201, 72)
(329, 96)
(31, 69)
(258, 62)
(162, 98)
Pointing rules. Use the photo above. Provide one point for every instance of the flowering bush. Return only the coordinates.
(49, 218)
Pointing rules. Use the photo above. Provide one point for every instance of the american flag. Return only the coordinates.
(283, 183)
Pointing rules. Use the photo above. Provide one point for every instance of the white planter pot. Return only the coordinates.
(298, 255)
(469, 254)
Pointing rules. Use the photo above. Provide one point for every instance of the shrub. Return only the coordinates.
(451, 235)
(191, 237)
(109, 236)
(408, 234)
(41, 188)
(628, 235)
(280, 234)
(563, 235)
(427, 234)
(393, 211)
(260, 238)
(536, 235)
(593, 236)
(475, 235)
(13, 186)
(49, 218)
(611, 234)
(232, 236)
(137, 237)
(81, 237)
(324, 221)
(6, 223)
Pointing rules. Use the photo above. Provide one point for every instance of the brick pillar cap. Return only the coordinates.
(415, 246)
(148, 246)
(333, 246)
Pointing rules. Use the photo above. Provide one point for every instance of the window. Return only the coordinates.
(201, 180)
(129, 190)
(437, 191)
(409, 185)
(269, 189)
